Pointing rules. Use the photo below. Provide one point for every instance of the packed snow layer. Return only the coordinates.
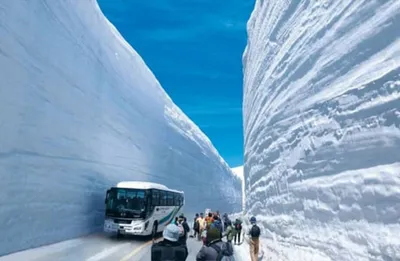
(79, 112)
(322, 127)
(238, 171)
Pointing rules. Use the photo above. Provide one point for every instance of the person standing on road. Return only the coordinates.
(169, 248)
(238, 227)
(254, 234)
(225, 220)
(186, 229)
(229, 232)
(196, 225)
(201, 226)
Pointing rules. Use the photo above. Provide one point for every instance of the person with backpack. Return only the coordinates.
(217, 224)
(238, 228)
(209, 220)
(196, 225)
(184, 228)
(254, 234)
(225, 220)
(169, 248)
(229, 232)
(215, 249)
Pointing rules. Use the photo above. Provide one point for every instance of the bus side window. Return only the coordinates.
(178, 199)
(181, 199)
(163, 198)
(170, 201)
(156, 198)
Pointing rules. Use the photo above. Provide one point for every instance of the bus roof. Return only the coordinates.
(144, 185)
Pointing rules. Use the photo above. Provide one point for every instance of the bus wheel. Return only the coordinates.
(154, 230)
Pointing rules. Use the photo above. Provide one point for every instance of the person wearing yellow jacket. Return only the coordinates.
(202, 225)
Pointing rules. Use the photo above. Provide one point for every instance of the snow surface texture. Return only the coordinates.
(238, 171)
(79, 112)
(322, 127)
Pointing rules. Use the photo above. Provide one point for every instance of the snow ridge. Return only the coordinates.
(79, 112)
(322, 126)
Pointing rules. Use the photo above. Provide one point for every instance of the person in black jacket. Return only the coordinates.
(169, 249)
(186, 229)
(196, 226)
(254, 234)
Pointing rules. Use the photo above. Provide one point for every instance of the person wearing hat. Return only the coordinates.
(169, 248)
(214, 247)
(254, 234)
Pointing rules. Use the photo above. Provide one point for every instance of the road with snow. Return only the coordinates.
(96, 248)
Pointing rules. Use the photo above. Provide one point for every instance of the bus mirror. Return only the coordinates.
(107, 195)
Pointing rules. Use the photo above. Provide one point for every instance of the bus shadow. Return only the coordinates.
(127, 238)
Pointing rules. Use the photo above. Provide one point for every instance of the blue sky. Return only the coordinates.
(194, 47)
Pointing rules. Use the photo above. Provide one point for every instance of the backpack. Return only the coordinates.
(223, 254)
(181, 230)
(163, 252)
(238, 226)
(217, 224)
(255, 231)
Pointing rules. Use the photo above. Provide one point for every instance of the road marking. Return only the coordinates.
(136, 250)
(106, 252)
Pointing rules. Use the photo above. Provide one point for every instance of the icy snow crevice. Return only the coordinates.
(79, 112)
(322, 126)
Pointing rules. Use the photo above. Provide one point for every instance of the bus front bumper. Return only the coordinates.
(111, 227)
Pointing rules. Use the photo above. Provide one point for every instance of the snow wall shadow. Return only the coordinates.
(80, 111)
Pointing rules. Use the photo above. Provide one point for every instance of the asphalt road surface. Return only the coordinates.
(96, 248)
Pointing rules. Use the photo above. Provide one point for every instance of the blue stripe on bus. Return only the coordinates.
(170, 216)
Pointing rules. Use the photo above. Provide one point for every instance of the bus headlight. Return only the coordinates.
(146, 224)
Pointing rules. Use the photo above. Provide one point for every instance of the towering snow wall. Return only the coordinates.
(80, 111)
(322, 127)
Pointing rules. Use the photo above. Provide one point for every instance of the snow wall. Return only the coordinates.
(79, 112)
(322, 127)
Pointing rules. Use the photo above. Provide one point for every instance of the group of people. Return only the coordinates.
(232, 231)
(210, 229)
(174, 245)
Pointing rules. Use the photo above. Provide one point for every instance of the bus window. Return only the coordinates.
(176, 199)
(156, 198)
(170, 199)
(121, 194)
(163, 198)
(180, 200)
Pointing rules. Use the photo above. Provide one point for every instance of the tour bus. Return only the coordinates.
(140, 208)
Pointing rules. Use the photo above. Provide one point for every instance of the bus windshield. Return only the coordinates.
(129, 201)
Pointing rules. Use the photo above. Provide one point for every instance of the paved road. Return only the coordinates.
(96, 248)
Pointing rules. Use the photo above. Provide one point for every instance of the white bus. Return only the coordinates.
(140, 208)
